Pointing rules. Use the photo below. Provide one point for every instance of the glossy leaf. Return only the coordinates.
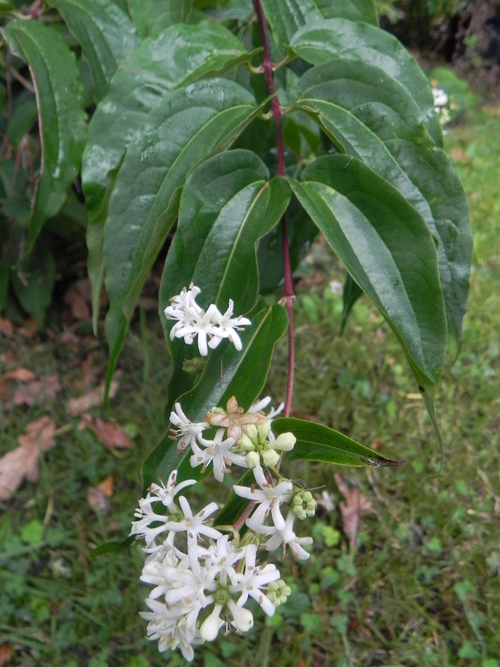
(227, 373)
(227, 204)
(151, 17)
(316, 442)
(178, 56)
(350, 294)
(105, 34)
(113, 547)
(385, 245)
(190, 125)
(287, 16)
(61, 116)
(369, 115)
(322, 42)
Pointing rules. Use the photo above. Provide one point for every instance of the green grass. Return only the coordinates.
(422, 587)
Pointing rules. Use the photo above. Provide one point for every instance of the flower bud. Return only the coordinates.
(263, 430)
(245, 444)
(278, 592)
(252, 459)
(251, 431)
(285, 442)
(270, 458)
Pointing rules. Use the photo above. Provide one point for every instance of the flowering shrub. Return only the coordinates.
(228, 136)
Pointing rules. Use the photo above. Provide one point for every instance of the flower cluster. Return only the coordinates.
(211, 327)
(201, 578)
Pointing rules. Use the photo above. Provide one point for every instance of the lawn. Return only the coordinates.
(418, 584)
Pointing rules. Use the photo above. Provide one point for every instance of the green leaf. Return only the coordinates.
(151, 17)
(385, 245)
(61, 116)
(33, 281)
(227, 204)
(316, 442)
(287, 16)
(351, 293)
(227, 373)
(189, 126)
(178, 56)
(325, 41)
(105, 34)
(381, 124)
(22, 119)
(113, 547)
(4, 285)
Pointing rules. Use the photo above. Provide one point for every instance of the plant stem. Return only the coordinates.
(267, 68)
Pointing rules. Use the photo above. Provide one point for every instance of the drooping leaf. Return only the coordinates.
(188, 127)
(33, 281)
(368, 114)
(387, 248)
(61, 116)
(351, 293)
(287, 16)
(227, 204)
(227, 373)
(105, 34)
(176, 57)
(316, 442)
(151, 17)
(322, 42)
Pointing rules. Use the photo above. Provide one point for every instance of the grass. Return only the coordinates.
(422, 586)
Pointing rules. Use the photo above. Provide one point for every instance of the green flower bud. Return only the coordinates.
(285, 442)
(278, 592)
(303, 504)
(252, 459)
(251, 431)
(270, 458)
(263, 430)
(245, 444)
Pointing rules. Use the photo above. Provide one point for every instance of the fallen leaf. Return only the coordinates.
(6, 653)
(6, 327)
(77, 304)
(37, 391)
(355, 505)
(20, 374)
(110, 434)
(23, 461)
(98, 496)
(78, 406)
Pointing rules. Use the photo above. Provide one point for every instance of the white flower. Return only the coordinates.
(186, 431)
(211, 326)
(194, 525)
(268, 500)
(220, 452)
(285, 536)
(228, 326)
(254, 579)
(440, 98)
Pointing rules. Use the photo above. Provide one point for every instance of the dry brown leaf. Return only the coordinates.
(77, 304)
(78, 406)
(98, 496)
(20, 374)
(23, 461)
(110, 434)
(6, 653)
(355, 505)
(37, 391)
(6, 327)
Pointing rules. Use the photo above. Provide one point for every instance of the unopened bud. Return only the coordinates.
(263, 430)
(252, 459)
(270, 458)
(245, 444)
(285, 442)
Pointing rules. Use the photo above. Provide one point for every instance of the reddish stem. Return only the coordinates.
(267, 68)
